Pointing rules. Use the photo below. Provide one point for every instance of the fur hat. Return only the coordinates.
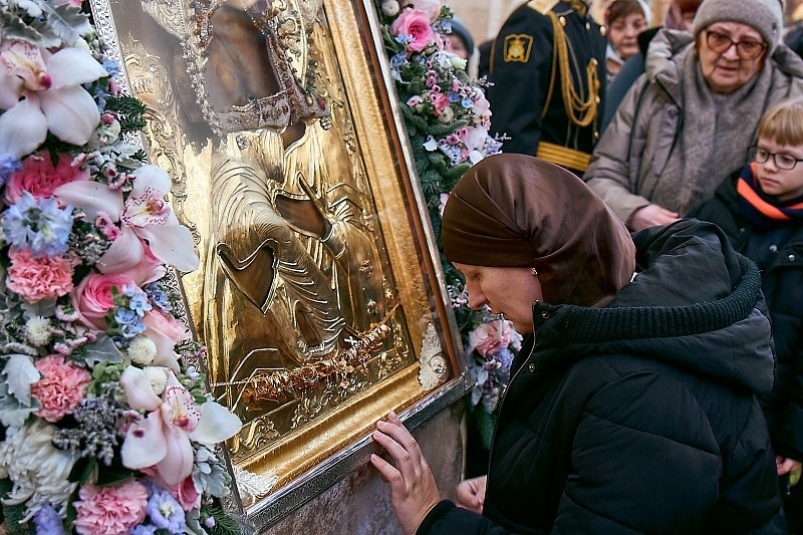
(765, 16)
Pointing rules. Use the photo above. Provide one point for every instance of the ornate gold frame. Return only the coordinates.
(277, 475)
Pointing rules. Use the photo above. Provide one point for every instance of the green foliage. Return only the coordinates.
(224, 524)
(130, 110)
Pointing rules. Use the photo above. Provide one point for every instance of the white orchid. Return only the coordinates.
(41, 91)
(145, 215)
(163, 439)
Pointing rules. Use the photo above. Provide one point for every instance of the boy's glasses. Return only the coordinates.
(786, 162)
(720, 42)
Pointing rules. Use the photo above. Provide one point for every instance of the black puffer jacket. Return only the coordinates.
(780, 253)
(639, 417)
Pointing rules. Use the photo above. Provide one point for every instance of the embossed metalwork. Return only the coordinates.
(318, 298)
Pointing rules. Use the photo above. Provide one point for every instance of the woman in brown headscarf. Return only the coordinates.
(632, 405)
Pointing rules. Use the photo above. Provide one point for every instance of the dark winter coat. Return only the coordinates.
(782, 282)
(640, 417)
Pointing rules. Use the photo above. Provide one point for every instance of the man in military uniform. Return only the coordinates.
(548, 75)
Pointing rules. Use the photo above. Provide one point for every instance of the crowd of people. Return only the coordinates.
(643, 228)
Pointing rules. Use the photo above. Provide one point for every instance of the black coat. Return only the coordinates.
(782, 282)
(639, 417)
(526, 100)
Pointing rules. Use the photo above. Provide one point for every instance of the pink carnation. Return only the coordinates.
(93, 297)
(35, 279)
(415, 24)
(60, 389)
(104, 510)
(40, 178)
(490, 337)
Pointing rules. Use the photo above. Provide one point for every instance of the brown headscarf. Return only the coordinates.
(514, 210)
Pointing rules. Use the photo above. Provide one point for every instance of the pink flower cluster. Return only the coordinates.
(60, 389)
(114, 509)
(490, 337)
(40, 177)
(39, 278)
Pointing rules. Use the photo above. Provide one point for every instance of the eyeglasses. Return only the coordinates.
(786, 162)
(720, 42)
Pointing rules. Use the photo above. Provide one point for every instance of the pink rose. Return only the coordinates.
(40, 178)
(489, 337)
(93, 297)
(35, 279)
(166, 332)
(104, 510)
(440, 101)
(414, 24)
(431, 7)
(60, 389)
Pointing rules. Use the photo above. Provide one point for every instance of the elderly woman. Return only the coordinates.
(690, 120)
(632, 406)
(625, 19)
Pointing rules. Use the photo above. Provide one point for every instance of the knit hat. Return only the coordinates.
(765, 16)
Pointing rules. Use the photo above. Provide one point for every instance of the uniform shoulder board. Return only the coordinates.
(542, 6)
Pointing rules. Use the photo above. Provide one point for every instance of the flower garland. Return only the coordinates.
(447, 118)
(103, 429)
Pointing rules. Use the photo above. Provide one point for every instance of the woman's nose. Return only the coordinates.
(476, 299)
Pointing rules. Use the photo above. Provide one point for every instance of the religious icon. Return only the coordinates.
(314, 298)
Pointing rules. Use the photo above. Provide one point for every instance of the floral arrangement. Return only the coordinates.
(103, 429)
(447, 118)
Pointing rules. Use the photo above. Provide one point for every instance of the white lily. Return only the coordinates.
(163, 438)
(145, 215)
(42, 91)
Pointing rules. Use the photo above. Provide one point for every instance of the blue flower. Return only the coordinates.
(48, 521)
(158, 297)
(404, 39)
(165, 512)
(144, 529)
(41, 226)
(126, 316)
(138, 300)
(131, 330)
(8, 165)
(398, 60)
(112, 67)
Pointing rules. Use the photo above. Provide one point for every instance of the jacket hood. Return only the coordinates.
(694, 303)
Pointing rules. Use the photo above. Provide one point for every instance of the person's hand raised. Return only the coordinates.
(650, 216)
(413, 491)
(471, 494)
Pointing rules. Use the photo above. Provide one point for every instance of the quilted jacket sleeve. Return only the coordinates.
(617, 157)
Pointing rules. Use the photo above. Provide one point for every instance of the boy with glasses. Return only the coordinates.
(761, 211)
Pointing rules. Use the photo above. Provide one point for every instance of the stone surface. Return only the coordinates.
(360, 504)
